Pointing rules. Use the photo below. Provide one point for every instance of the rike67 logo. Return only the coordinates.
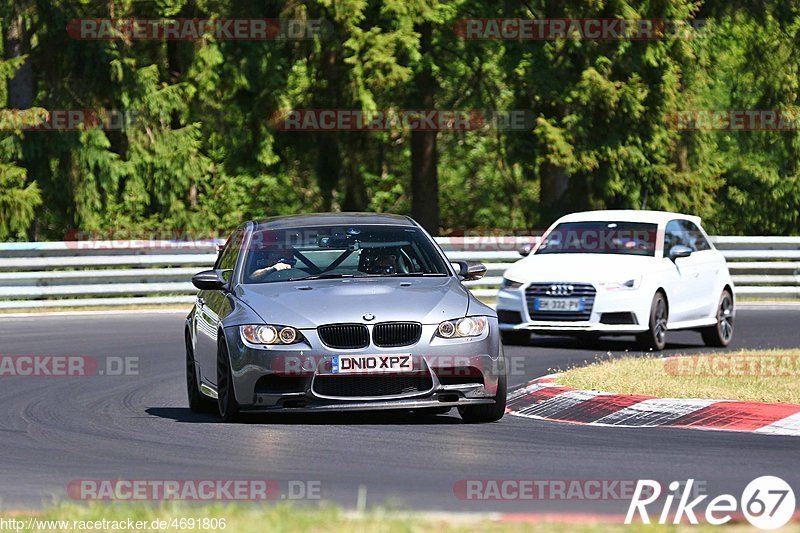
(767, 502)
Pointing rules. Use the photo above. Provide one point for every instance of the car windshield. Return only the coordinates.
(329, 252)
(600, 237)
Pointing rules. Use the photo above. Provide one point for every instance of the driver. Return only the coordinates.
(382, 264)
(276, 260)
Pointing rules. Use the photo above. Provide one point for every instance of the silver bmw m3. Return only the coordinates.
(334, 312)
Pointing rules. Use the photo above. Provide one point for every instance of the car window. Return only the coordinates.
(227, 258)
(697, 241)
(601, 237)
(328, 251)
(674, 235)
(685, 233)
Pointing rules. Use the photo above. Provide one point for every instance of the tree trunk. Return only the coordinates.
(329, 159)
(17, 43)
(424, 173)
(555, 182)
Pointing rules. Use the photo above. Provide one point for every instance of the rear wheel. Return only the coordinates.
(516, 337)
(198, 403)
(226, 399)
(655, 338)
(720, 334)
(491, 412)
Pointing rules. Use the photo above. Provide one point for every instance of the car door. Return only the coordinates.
(683, 277)
(212, 307)
(706, 264)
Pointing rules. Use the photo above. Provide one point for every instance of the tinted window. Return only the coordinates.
(347, 251)
(695, 237)
(685, 233)
(673, 236)
(601, 237)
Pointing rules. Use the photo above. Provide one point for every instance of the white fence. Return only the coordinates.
(115, 273)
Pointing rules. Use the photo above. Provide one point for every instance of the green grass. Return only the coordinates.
(776, 379)
(291, 518)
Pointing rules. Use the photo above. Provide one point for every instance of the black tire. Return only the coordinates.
(489, 412)
(198, 402)
(655, 338)
(516, 337)
(226, 398)
(721, 334)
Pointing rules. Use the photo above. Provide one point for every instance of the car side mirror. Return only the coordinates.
(525, 250)
(679, 251)
(209, 280)
(470, 270)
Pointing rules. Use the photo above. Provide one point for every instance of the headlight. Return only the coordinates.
(471, 326)
(622, 285)
(509, 284)
(270, 334)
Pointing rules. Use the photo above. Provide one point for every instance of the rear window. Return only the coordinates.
(601, 237)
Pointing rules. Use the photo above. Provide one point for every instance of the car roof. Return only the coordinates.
(333, 219)
(627, 215)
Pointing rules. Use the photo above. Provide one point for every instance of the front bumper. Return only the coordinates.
(634, 302)
(454, 373)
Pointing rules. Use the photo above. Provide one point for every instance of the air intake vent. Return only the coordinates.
(393, 334)
(344, 336)
(367, 386)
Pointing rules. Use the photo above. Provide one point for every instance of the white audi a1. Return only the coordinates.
(619, 273)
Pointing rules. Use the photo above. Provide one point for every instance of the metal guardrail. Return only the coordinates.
(119, 273)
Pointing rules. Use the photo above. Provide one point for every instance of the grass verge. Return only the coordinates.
(759, 376)
(288, 518)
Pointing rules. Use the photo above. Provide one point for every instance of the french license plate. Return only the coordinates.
(558, 304)
(368, 364)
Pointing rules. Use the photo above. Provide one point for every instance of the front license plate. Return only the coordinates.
(368, 364)
(558, 304)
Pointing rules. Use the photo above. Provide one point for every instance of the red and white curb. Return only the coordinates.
(544, 399)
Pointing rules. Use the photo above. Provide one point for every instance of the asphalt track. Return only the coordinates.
(55, 429)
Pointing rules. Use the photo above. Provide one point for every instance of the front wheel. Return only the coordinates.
(720, 334)
(226, 398)
(655, 338)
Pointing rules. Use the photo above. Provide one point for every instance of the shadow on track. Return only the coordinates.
(607, 344)
(374, 418)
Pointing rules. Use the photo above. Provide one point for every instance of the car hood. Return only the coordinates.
(310, 304)
(581, 268)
